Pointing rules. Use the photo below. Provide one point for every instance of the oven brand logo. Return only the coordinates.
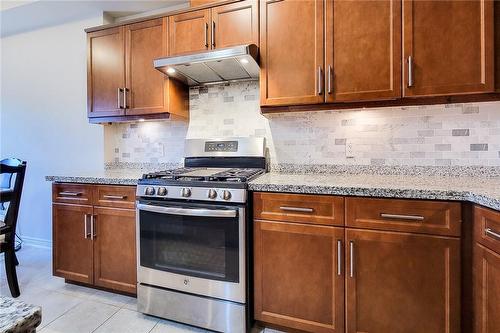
(186, 282)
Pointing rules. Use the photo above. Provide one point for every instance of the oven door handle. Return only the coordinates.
(188, 211)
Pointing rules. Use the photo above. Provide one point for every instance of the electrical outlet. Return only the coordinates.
(160, 149)
(349, 149)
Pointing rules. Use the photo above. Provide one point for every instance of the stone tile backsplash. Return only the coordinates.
(434, 135)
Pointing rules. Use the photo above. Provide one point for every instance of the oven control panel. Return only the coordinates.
(221, 146)
(192, 193)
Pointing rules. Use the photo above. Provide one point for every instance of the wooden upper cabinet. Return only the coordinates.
(291, 52)
(298, 278)
(450, 44)
(146, 87)
(399, 282)
(363, 50)
(105, 72)
(72, 250)
(235, 24)
(486, 290)
(189, 32)
(497, 45)
(114, 249)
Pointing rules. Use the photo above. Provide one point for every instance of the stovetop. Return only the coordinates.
(223, 175)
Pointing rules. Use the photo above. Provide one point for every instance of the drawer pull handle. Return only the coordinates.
(115, 197)
(70, 194)
(402, 217)
(490, 232)
(297, 209)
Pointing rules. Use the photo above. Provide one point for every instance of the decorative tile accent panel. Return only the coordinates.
(434, 135)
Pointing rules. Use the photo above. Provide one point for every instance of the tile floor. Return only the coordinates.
(68, 308)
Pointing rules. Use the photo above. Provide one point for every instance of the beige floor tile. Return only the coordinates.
(110, 298)
(127, 321)
(53, 304)
(165, 326)
(83, 318)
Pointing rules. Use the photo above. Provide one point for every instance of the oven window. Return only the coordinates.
(190, 245)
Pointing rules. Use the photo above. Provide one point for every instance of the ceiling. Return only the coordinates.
(21, 16)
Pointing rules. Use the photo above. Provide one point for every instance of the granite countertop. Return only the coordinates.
(108, 177)
(481, 190)
(17, 316)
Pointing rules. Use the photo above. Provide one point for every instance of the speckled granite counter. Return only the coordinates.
(17, 316)
(481, 190)
(109, 177)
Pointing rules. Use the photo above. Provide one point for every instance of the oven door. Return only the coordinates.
(194, 248)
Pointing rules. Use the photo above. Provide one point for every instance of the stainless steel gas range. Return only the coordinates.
(193, 235)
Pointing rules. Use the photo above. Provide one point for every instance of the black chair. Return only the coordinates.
(12, 195)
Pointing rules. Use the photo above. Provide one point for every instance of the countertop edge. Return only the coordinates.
(93, 180)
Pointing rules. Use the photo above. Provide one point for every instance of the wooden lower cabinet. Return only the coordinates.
(72, 250)
(92, 244)
(114, 245)
(298, 281)
(401, 282)
(486, 290)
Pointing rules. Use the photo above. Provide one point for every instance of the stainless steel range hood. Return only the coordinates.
(221, 65)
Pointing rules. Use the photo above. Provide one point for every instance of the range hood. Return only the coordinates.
(221, 65)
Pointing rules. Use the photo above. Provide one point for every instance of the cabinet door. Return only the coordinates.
(72, 246)
(114, 249)
(189, 32)
(146, 87)
(399, 282)
(291, 52)
(235, 24)
(497, 45)
(105, 72)
(299, 280)
(363, 50)
(486, 290)
(451, 47)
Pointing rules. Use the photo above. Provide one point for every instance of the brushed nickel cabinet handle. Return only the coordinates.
(297, 209)
(402, 217)
(351, 251)
(115, 197)
(339, 257)
(320, 81)
(92, 234)
(330, 73)
(125, 98)
(119, 96)
(206, 35)
(213, 34)
(85, 232)
(410, 71)
(70, 194)
(494, 234)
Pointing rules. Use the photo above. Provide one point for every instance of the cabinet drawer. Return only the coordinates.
(487, 227)
(418, 216)
(114, 196)
(302, 208)
(72, 193)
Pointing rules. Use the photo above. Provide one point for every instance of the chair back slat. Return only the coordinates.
(9, 167)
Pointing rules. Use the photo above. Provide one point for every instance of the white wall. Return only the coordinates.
(43, 114)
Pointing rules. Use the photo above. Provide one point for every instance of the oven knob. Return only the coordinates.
(226, 195)
(149, 191)
(212, 194)
(185, 192)
(162, 191)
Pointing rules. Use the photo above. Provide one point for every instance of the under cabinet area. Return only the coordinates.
(333, 264)
(94, 235)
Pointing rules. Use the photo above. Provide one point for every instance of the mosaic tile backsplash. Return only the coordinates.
(434, 135)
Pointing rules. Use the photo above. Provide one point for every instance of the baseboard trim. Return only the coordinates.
(37, 242)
